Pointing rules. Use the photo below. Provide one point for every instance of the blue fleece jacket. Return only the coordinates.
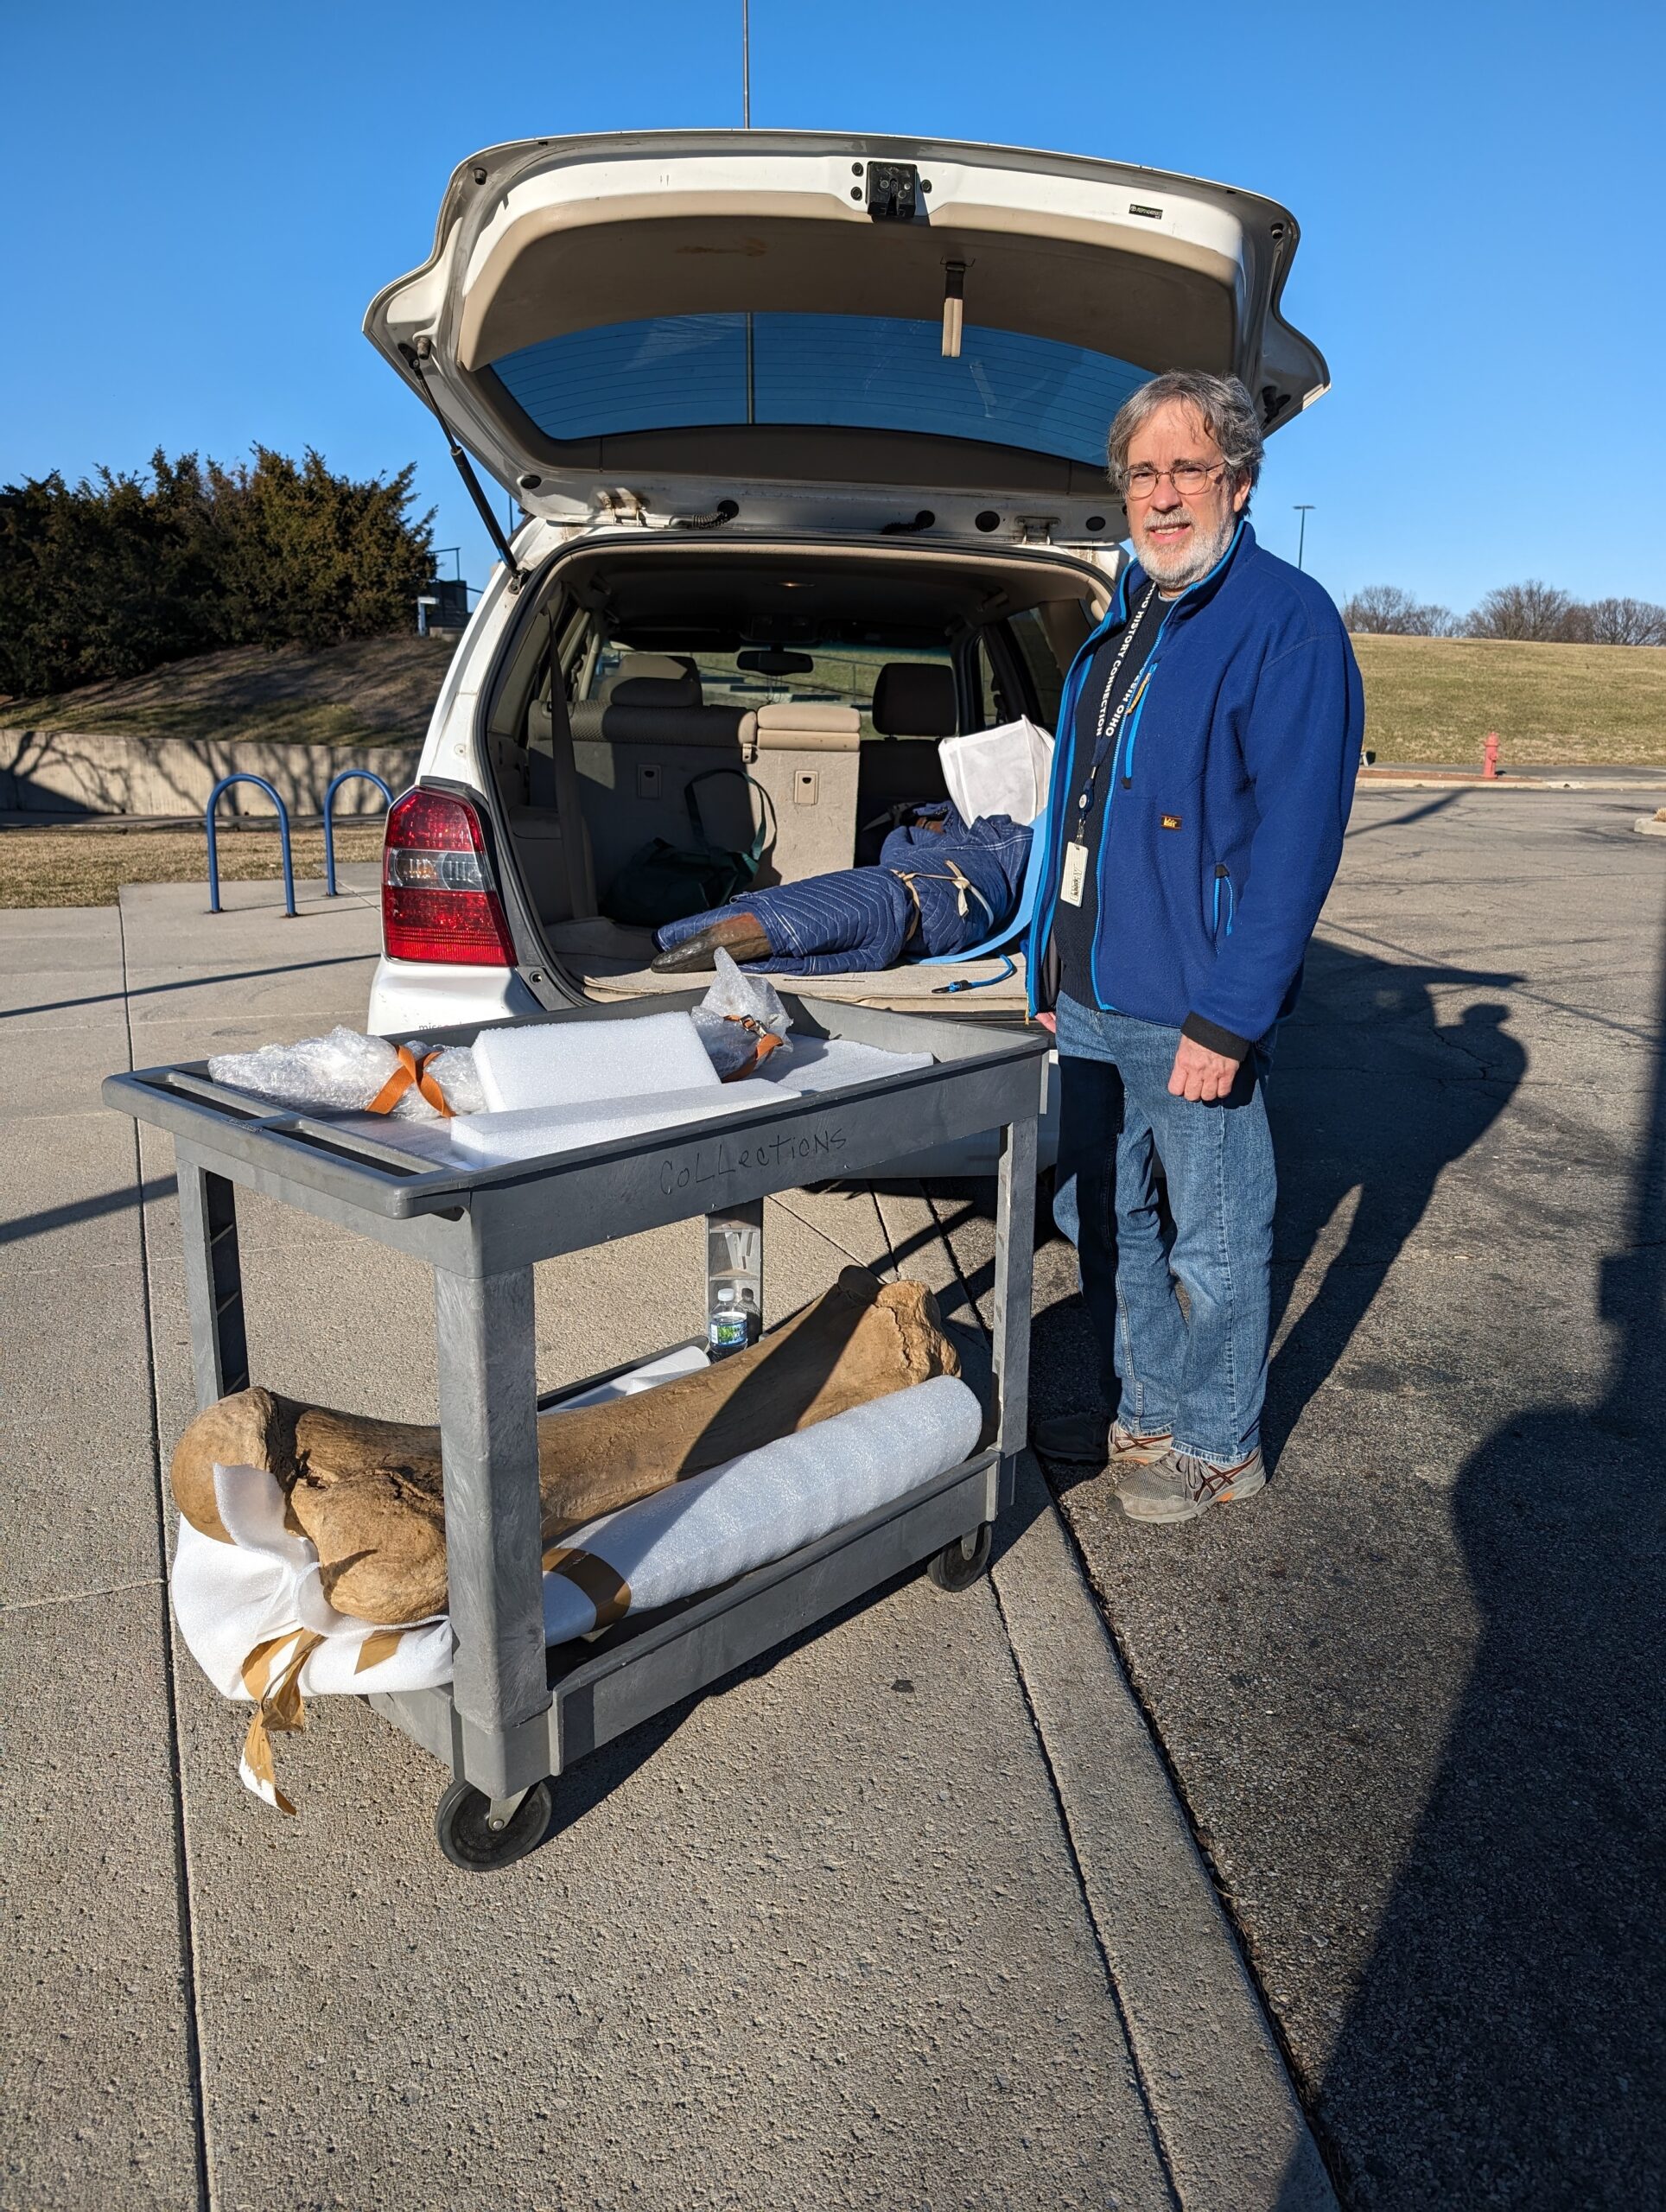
(1231, 781)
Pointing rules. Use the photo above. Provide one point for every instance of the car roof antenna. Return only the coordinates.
(418, 356)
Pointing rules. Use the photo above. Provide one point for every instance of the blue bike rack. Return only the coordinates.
(243, 776)
(347, 776)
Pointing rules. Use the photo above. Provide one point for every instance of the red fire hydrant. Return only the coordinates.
(1489, 757)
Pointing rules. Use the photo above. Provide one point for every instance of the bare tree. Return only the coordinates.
(1383, 610)
(1620, 622)
(1537, 613)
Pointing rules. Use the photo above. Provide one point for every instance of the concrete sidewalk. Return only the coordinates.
(905, 1916)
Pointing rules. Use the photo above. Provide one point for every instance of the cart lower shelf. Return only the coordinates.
(600, 1688)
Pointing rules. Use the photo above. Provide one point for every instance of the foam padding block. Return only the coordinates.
(576, 1062)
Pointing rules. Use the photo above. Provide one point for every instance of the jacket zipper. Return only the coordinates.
(1223, 875)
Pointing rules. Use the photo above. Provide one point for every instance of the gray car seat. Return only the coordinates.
(914, 706)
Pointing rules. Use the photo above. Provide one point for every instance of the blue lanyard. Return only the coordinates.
(1104, 736)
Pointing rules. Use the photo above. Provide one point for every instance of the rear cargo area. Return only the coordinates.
(780, 701)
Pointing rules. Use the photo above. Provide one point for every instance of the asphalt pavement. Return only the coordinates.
(1410, 1694)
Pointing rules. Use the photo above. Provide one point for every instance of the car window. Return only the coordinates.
(842, 675)
(854, 371)
(1028, 634)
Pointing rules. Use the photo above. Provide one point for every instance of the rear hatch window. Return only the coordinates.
(843, 370)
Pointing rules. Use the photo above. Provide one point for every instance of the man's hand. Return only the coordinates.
(1049, 1022)
(1199, 1074)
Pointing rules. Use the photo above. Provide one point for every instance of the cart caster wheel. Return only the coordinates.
(957, 1566)
(467, 1838)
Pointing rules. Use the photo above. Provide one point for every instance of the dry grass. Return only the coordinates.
(87, 868)
(1433, 700)
(373, 689)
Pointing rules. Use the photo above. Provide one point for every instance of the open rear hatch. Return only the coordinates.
(829, 330)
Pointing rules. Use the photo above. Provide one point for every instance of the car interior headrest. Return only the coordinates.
(653, 680)
(915, 698)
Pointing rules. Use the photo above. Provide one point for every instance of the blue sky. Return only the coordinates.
(202, 200)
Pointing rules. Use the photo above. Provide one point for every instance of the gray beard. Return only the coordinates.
(1175, 571)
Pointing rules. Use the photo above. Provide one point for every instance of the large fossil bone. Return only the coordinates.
(369, 1493)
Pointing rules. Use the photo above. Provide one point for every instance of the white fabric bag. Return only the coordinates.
(1000, 771)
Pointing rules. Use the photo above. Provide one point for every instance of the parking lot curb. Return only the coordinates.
(1221, 2100)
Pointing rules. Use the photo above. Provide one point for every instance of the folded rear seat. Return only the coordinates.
(639, 745)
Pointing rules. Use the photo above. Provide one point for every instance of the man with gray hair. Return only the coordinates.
(1207, 743)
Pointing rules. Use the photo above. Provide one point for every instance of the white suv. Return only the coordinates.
(807, 430)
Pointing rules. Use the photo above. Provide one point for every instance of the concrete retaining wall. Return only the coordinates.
(56, 773)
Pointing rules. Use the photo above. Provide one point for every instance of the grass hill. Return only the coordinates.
(1427, 699)
(1434, 699)
(371, 690)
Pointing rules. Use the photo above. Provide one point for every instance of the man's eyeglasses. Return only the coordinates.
(1188, 478)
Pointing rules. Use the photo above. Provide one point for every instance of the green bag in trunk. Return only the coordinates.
(662, 882)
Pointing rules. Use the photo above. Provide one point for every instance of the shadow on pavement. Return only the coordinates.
(1514, 2000)
(1372, 1092)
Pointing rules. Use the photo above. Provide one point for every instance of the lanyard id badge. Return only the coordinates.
(1073, 877)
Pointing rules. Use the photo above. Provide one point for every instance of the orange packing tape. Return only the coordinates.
(410, 1070)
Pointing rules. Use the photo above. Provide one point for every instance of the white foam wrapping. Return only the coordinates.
(536, 1132)
(770, 1501)
(1001, 770)
(576, 1062)
(229, 1598)
(264, 1585)
(833, 1064)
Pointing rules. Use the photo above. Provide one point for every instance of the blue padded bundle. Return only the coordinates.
(967, 879)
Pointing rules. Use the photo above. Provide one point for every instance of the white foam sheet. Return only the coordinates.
(687, 1359)
(770, 1501)
(834, 1063)
(576, 1062)
(535, 1132)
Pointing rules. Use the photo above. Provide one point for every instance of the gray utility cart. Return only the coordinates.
(515, 1714)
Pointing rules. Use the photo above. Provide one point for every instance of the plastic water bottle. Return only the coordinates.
(729, 1325)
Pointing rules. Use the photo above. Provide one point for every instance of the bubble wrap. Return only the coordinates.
(342, 1072)
(721, 1017)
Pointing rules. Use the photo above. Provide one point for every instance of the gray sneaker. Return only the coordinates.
(1173, 1488)
(1094, 1439)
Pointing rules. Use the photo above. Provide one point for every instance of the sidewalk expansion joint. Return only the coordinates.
(190, 1969)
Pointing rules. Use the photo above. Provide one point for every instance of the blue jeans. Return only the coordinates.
(1201, 1373)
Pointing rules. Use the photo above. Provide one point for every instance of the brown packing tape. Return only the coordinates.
(257, 1757)
(606, 1588)
(381, 1644)
(257, 1670)
(279, 1708)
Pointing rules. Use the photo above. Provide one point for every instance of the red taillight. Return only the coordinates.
(438, 899)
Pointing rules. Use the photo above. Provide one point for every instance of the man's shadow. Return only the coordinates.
(1507, 2042)
(1372, 1092)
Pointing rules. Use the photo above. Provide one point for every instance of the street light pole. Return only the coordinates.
(745, 65)
(1304, 510)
